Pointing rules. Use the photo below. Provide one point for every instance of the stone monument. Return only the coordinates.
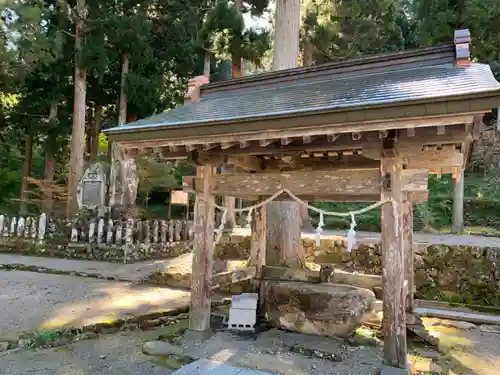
(92, 189)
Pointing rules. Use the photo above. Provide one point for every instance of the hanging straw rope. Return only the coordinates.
(351, 234)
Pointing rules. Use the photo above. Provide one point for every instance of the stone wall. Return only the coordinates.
(99, 239)
(486, 153)
(460, 274)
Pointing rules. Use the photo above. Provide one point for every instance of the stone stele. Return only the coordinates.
(318, 309)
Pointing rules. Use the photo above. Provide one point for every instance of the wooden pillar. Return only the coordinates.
(201, 279)
(458, 203)
(229, 202)
(393, 273)
(258, 240)
(407, 209)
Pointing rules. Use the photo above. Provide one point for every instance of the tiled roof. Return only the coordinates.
(334, 90)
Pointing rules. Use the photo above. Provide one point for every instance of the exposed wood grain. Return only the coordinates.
(313, 182)
(258, 240)
(225, 279)
(246, 162)
(394, 325)
(415, 179)
(407, 208)
(316, 183)
(201, 285)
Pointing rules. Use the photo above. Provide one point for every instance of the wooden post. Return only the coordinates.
(229, 202)
(258, 240)
(408, 254)
(201, 285)
(458, 203)
(393, 273)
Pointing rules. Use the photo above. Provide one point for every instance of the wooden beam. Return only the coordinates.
(225, 279)
(323, 129)
(435, 159)
(441, 130)
(286, 141)
(332, 137)
(316, 183)
(410, 132)
(356, 136)
(407, 212)
(382, 134)
(304, 162)
(209, 146)
(394, 324)
(244, 144)
(307, 139)
(246, 162)
(190, 148)
(266, 142)
(227, 145)
(201, 284)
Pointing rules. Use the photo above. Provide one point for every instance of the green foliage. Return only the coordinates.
(340, 30)
(224, 34)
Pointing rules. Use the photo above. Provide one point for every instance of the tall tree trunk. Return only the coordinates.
(307, 60)
(236, 71)
(308, 53)
(206, 65)
(236, 67)
(78, 130)
(28, 156)
(48, 173)
(122, 116)
(94, 134)
(88, 137)
(284, 244)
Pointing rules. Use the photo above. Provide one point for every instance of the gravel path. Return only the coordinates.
(31, 301)
(418, 238)
(127, 272)
(118, 354)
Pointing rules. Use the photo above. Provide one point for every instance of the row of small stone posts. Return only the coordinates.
(98, 231)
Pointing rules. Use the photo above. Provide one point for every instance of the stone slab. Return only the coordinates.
(208, 367)
(386, 370)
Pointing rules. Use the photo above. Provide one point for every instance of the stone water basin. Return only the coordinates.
(318, 309)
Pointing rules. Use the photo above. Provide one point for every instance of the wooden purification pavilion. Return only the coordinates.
(368, 129)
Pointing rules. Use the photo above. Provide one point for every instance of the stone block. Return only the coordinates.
(386, 370)
(318, 309)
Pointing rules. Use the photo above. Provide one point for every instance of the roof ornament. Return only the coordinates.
(462, 47)
(193, 93)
